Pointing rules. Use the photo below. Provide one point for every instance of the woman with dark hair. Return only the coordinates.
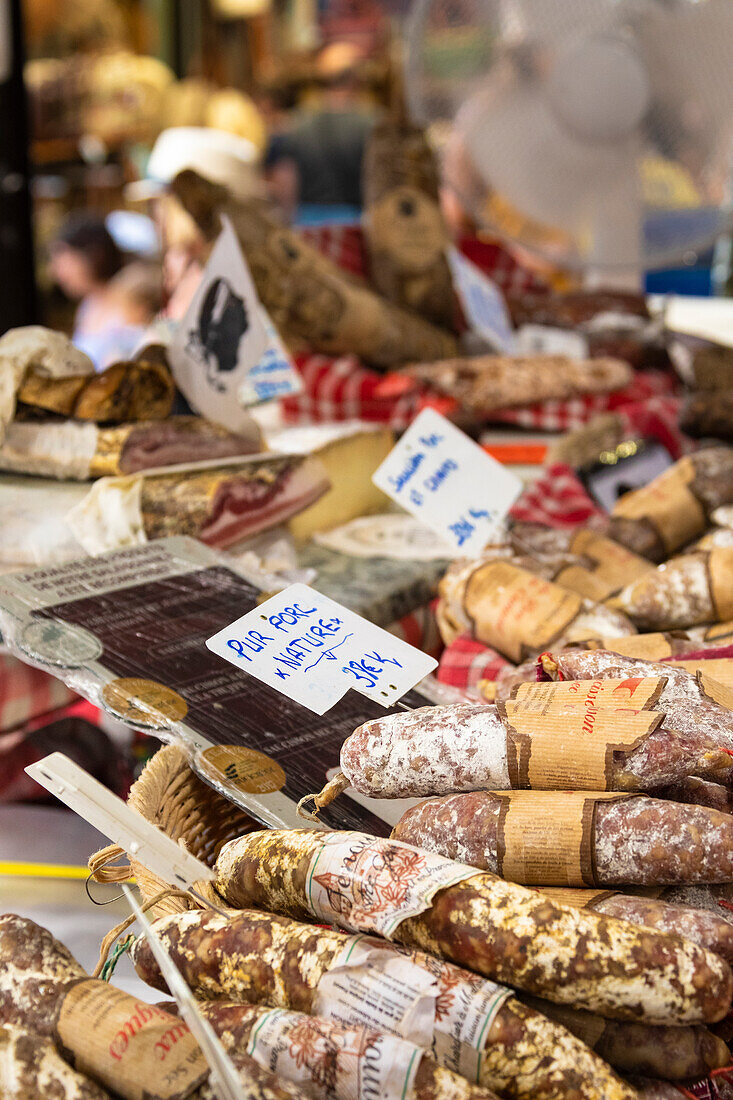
(87, 264)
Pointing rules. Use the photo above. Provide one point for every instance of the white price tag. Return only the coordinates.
(105, 811)
(274, 375)
(482, 302)
(222, 336)
(313, 650)
(449, 483)
(545, 340)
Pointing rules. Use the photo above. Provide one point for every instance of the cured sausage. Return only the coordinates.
(465, 746)
(331, 1061)
(709, 930)
(687, 707)
(672, 1053)
(685, 591)
(517, 612)
(117, 1039)
(629, 841)
(700, 792)
(495, 928)
(31, 1069)
(673, 509)
(284, 964)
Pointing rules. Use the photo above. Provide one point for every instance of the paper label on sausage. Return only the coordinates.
(467, 1007)
(516, 612)
(615, 565)
(579, 899)
(644, 647)
(720, 570)
(719, 669)
(669, 504)
(433, 1004)
(631, 693)
(546, 838)
(370, 884)
(584, 582)
(132, 1048)
(718, 631)
(369, 985)
(719, 693)
(363, 1065)
(574, 750)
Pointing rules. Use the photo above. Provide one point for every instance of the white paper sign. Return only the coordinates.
(222, 336)
(274, 375)
(81, 792)
(313, 650)
(449, 483)
(546, 340)
(482, 302)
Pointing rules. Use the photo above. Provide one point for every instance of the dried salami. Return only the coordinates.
(672, 1053)
(284, 964)
(700, 792)
(551, 838)
(671, 510)
(687, 707)
(103, 1032)
(684, 592)
(330, 1061)
(494, 928)
(468, 746)
(518, 612)
(31, 1069)
(707, 929)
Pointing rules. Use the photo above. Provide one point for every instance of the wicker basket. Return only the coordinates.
(170, 795)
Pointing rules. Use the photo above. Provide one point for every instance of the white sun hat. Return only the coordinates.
(216, 155)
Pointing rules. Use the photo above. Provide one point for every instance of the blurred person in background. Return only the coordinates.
(116, 303)
(221, 157)
(317, 161)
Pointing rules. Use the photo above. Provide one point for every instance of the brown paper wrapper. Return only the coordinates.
(718, 669)
(584, 582)
(134, 1049)
(719, 631)
(668, 504)
(720, 571)
(719, 693)
(514, 611)
(631, 694)
(579, 899)
(615, 565)
(572, 751)
(643, 647)
(546, 837)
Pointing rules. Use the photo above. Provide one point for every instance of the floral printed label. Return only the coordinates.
(369, 884)
(353, 1063)
(430, 1002)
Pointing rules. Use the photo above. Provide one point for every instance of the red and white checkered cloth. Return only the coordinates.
(345, 389)
(465, 662)
(343, 244)
(566, 416)
(556, 499)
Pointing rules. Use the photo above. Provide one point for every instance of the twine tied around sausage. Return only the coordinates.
(324, 798)
(101, 969)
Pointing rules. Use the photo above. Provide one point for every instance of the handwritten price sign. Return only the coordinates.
(313, 650)
(446, 480)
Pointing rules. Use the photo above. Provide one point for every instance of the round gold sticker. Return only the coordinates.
(145, 702)
(246, 769)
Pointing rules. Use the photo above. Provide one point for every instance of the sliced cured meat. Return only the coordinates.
(77, 451)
